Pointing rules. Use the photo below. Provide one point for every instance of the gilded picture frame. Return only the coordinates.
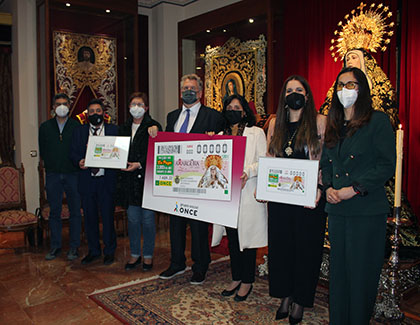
(236, 67)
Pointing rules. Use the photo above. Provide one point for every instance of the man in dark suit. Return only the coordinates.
(96, 186)
(193, 117)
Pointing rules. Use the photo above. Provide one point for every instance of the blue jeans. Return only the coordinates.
(56, 184)
(139, 220)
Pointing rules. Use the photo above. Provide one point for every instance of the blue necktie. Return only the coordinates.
(184, 126)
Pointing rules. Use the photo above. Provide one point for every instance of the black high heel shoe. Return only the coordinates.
(281, 314)
(242, 298)
(296, 315)
(132, 266)
(227, 293)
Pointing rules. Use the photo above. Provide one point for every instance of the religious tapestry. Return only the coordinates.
(236, 68)
(85, 67)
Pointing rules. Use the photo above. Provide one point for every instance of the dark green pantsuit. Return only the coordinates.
(356, 226)
(356, 259)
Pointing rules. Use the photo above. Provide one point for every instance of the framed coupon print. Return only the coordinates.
(107, 152)
(285, 180)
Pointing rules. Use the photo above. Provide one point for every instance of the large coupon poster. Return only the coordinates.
(195, 176)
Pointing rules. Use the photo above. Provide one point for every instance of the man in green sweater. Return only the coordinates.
(61, 175)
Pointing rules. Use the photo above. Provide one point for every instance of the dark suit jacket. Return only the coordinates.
(130, 184)
(208, 120)
(78, 152)
(366, 158)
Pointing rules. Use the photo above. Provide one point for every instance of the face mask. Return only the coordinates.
(62, 110)
(137, 111)
(295, 100)
(189, 96)
(233, 117)
(96, 119)
(347, 97)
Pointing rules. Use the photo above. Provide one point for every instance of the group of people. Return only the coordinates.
(355, 146)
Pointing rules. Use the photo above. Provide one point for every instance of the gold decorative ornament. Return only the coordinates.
(367, 29)
(238, 67)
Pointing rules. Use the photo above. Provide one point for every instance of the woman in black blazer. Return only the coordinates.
(357, 159)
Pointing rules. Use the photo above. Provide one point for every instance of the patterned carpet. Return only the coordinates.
(176, 301)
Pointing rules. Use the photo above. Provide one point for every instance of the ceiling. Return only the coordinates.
(154, 3)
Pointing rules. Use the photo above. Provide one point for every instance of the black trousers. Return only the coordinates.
(242, 264)
(295, 245)
(356, 259)
(99, 198)
(200, 252)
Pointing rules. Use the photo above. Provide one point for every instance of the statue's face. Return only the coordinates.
(213, 172)
(86, 55)
(230, 86)
(353, 60)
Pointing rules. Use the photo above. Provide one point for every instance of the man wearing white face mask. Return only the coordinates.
(130, 183)
(61, 176)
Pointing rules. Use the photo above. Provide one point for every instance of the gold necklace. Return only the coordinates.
(289, 150)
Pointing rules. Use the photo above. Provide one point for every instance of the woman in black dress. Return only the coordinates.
(295, 233)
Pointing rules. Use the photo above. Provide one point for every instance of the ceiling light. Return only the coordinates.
(107, 11)
(68, 4)
(224, 31)
(208, 30)
(251, 20)
(198, 68)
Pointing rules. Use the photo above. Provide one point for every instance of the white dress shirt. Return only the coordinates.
(193, 115)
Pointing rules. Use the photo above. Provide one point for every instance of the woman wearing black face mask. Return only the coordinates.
(252, 219)
(295, 233)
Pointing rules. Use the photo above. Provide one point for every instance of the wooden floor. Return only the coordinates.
(36, 291)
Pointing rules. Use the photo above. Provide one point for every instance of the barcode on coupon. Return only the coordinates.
(189, 190)
(169, 149)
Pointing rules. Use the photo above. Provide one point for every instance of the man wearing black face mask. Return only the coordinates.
(96, 186)
(193, 117)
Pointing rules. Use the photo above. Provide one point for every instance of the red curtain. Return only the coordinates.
(409, 99)
(307, 31)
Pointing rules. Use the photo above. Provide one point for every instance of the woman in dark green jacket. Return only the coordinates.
(357, 159)
(131, 181)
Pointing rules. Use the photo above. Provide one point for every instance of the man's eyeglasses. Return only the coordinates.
(348, 85)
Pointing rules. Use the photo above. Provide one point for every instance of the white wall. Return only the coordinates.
(163, 51)
(25, 96)
(163, 73)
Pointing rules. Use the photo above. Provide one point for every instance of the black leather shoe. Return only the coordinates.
(281, 314)
(132, 266)
(90, 258)
(198, 278)
(108, 259)
(296, 314)
(147, 267)
(227, 293)
(170, 273)
(53, 254)
(242, 298)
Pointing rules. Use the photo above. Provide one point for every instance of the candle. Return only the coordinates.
(398, 169)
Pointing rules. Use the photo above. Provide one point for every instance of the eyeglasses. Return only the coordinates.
(348, 85)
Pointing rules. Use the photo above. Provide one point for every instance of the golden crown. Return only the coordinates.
(366, 29)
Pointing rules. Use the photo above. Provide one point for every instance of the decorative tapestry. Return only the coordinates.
(85, 67)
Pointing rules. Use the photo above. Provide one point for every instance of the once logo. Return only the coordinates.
(188, 211)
